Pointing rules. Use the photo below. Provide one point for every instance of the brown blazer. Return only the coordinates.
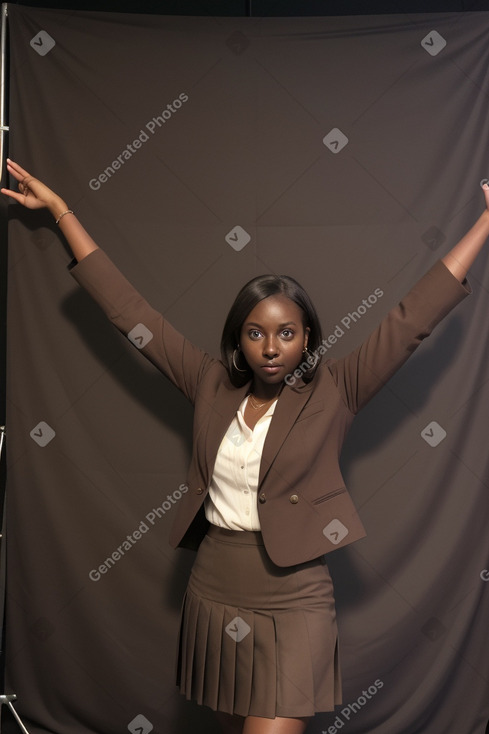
(304, 507)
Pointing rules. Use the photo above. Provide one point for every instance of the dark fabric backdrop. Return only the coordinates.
(99, 442)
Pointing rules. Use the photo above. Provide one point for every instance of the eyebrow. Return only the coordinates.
(281, 326)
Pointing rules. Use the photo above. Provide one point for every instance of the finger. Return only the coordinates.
(13, 172)
(16, 169)
(14, 195)
(24, 187)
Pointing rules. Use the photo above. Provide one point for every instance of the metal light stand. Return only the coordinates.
(5, 698)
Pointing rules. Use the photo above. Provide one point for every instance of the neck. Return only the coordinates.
(264, 393)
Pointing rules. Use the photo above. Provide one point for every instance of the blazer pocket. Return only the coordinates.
(329, 496)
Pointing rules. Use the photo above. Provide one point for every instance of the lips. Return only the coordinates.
(271, 369)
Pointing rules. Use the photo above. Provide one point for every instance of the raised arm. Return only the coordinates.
(463, 254)
(33, 194)
(180, 360)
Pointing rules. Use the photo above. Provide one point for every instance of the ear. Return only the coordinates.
(307, 331)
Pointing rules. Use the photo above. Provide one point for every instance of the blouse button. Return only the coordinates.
(200, 490)
(294, 499)
(262, 498)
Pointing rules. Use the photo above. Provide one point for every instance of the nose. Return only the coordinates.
(270, 348)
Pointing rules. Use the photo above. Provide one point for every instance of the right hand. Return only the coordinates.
(32, 193)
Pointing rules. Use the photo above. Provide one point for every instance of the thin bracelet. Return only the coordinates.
(68, 211)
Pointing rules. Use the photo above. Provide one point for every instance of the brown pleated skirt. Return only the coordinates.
(255, 638)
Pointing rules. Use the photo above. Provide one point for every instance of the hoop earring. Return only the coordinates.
(311, 358)
(234, 361)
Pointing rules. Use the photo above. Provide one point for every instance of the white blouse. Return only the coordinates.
(232, 499)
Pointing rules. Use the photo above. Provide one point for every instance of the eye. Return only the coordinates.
(288, 333)
(254, 334)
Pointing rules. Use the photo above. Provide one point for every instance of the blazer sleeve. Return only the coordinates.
(180, 360)
(361, 374)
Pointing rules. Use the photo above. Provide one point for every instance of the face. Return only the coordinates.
(272, 340)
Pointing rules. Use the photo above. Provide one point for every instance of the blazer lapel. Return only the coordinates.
(290, 404)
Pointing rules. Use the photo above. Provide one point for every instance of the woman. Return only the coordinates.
(266, 499)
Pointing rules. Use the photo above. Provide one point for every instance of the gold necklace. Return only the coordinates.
(256, 405)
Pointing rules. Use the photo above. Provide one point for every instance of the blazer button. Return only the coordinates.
(262, 498)
(294, 499)
(200, 490)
